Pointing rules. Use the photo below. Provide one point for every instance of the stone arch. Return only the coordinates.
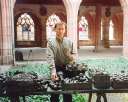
(61, 15)
(124, 3)
(38, 26)
(118, 23)
(91, 21)
(0, 34)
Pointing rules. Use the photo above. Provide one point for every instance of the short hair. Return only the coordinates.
(59, 24)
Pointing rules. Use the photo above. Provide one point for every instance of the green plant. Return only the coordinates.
(79, 98)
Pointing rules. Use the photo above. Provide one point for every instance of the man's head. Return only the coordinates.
(60, 29)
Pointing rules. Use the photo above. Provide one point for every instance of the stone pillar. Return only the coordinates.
(106, 25)
(44, 36)
(124, 4)
(72, 7)
(7, 27)
(98, 27)
(125, 31)
(0, 36)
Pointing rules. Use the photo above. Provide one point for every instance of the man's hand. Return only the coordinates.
(54, 77)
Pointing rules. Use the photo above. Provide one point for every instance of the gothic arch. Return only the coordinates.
(60, 14)
(91, 22)
(124, 3)
(38, 27)
(118, 22)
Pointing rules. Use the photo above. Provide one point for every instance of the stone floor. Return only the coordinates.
(114, 97)
(39, 54)
(88, 52)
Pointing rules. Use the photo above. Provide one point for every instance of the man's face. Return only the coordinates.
(60, 31)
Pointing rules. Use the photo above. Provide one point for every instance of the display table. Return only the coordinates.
(99, 92)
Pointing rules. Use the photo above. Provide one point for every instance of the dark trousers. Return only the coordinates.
(66, 97)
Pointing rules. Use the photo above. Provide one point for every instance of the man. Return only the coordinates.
(60, 50)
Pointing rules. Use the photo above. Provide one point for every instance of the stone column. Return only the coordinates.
(72, 7)
(44, 40)
(98, 27)
(125, 31)
(124, 4)
(0, 36)
(106, 25)
(7, 31)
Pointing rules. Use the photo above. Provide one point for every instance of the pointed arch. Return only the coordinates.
(38, 30)
(111, 30)
(83, 29)
(50, 24)
(118, 25)
(25, 28)
(90, 17)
